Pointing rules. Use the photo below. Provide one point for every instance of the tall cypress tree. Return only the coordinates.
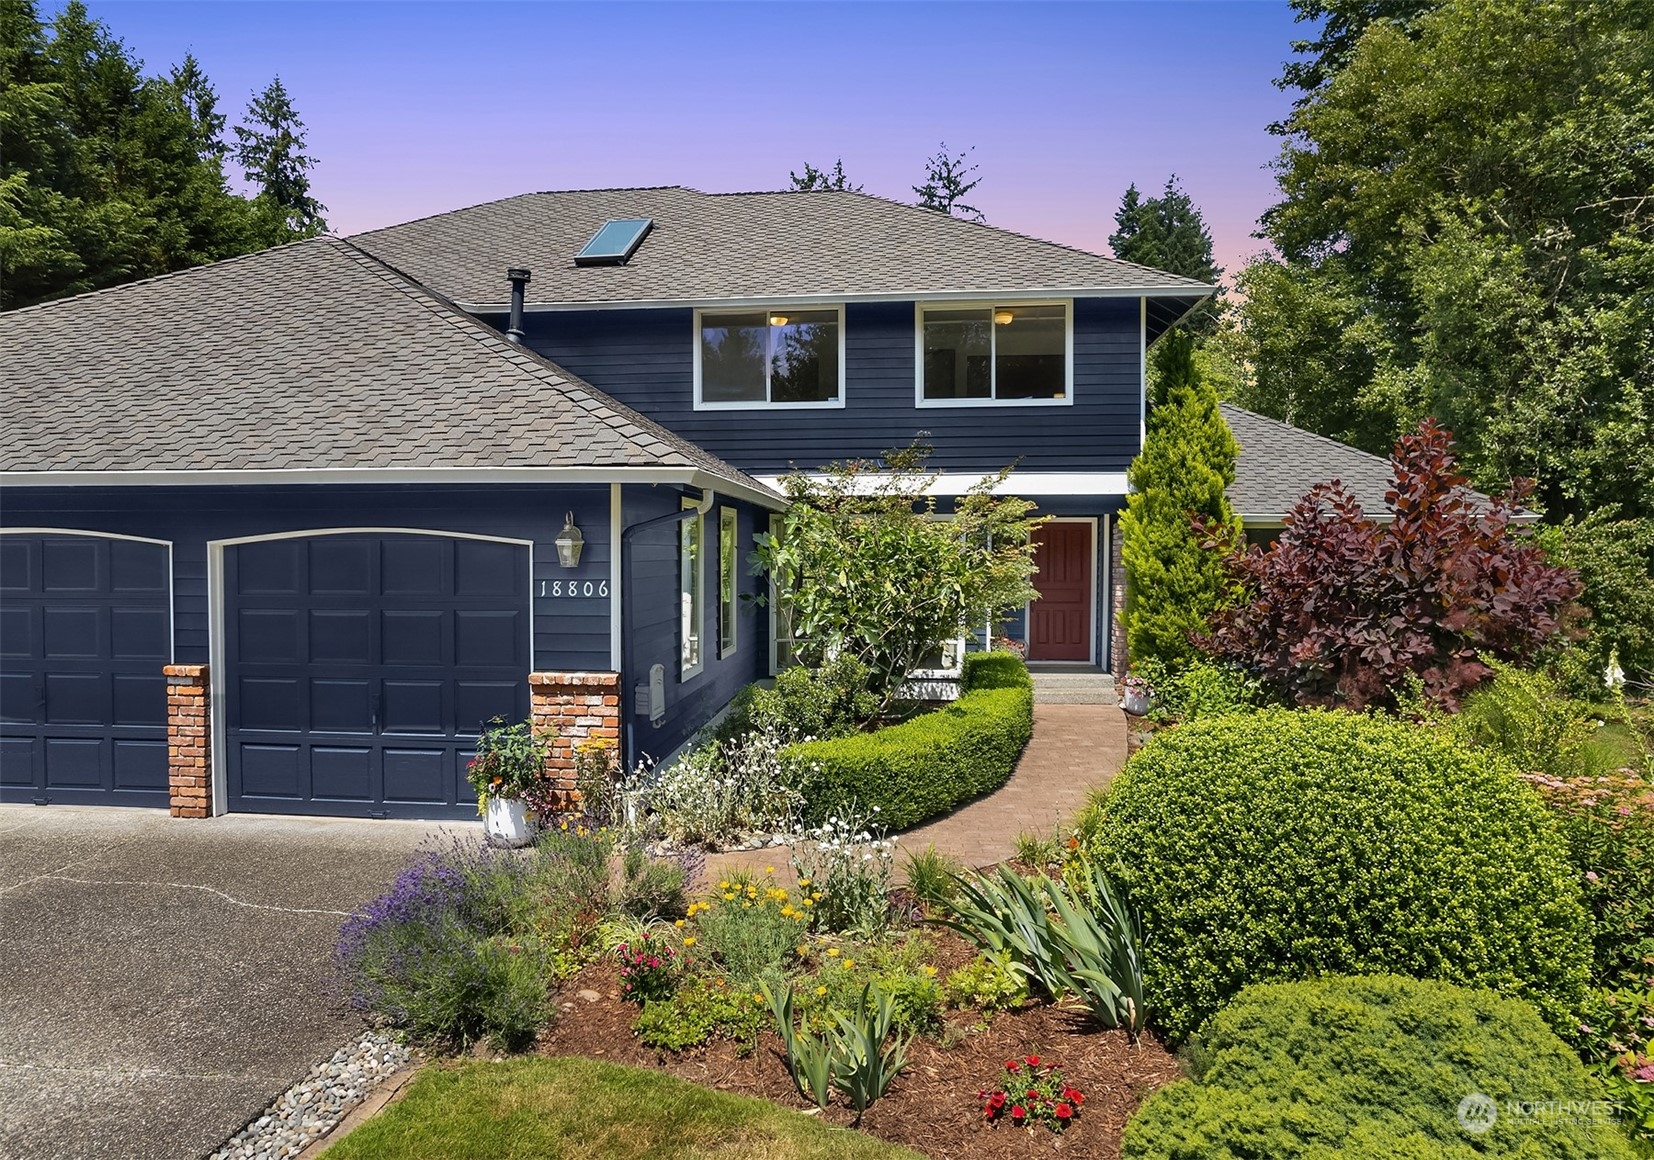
(270, 150)
(1188, 458)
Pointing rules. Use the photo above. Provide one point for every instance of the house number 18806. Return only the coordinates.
(574, 588)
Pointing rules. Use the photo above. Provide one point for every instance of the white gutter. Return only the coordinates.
(1027, 484)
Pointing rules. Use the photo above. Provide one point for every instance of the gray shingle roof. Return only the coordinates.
(706, 247)
(1278, 463)
(307, 356)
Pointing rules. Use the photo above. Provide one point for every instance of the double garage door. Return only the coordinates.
(356, 670)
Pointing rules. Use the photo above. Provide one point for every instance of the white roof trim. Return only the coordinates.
(692, 477)
(1026, 484)
(831, 299)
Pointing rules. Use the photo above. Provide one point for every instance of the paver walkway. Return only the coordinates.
(1074, 749)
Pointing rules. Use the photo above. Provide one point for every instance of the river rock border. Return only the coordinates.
(313, 1107)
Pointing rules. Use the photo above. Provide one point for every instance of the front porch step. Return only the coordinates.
(1073, 687)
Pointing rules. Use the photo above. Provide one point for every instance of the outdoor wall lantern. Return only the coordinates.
(569, 542)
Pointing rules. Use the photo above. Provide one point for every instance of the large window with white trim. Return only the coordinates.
(691, 608)
(1017, 352)
(777, 357)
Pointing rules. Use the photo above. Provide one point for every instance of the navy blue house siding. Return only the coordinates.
(652, 626)
(570, 633)
(644, 358)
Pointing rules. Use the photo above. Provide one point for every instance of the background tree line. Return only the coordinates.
(108, 175)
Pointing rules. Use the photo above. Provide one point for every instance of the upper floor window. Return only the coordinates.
(757, 358)
(1017, 352)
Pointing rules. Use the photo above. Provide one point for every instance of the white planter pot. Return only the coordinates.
(506, 822)
(1134, 703)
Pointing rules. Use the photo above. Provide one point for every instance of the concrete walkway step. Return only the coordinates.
(1074, 687)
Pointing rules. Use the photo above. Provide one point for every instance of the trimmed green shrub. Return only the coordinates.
(832, 701)
(1291, 844)
(1198, 689)
(1373, 1067)
(925, 766)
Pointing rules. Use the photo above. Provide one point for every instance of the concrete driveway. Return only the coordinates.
(161, 981)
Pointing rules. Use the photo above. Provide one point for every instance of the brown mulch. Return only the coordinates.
(932, 1107)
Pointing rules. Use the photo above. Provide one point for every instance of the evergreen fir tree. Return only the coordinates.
(813, 178)
(1173, 584)
(947, 181)
(1169, 233)
(270, 150)
(105, 175)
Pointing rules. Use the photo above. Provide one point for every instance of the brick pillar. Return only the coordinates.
(1117, 602)
(189, 741)
(577, 707)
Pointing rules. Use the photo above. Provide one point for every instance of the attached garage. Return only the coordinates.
(85, 628)
(360, 667)
(283, 532)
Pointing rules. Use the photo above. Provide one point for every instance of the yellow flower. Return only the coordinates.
(678, 924)
(758, 995)
(802, 882)
(807, 902)
(848, 963)
(724, 885)
(769, 869)
(746, 906)
(690, 941)
(821, 990)
(816, 896)
(729, 898)
(832, 953)
(929, 970)
(803, 952)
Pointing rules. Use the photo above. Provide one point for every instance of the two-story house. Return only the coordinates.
(279, 533)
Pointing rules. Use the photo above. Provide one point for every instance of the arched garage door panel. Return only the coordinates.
(85, 631)
(359, 668)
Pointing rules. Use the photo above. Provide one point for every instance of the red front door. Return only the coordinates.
(1059, 622)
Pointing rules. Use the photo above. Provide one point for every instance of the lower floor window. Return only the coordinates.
(690, 537)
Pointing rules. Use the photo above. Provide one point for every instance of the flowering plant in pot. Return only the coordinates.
(509, 772)
(1135, 694)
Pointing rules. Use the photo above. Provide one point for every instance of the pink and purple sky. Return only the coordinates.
(417, 108)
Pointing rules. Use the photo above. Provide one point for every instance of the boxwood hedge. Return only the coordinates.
(1374, 1067)
(922, 767)
(1287, 845)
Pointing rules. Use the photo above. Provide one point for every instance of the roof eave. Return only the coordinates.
(250, 477)
(1193, 290)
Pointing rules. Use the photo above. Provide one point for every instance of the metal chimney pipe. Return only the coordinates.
(519, 278)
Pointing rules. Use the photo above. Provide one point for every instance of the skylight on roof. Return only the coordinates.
(614, 242)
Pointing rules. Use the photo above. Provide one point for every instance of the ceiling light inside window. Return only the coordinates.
(1004, 317)
(778, 320)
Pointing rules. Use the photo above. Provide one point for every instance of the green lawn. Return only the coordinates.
(580, 1109)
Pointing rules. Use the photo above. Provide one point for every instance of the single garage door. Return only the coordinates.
(360, 668)
(85, 630)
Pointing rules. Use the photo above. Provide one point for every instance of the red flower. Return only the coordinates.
(1019, 1113)
(1064, 1112)
(997, 1100)
(1011, 1065)
(1033, 1060)
(1033, 1096)
(1072, 1095)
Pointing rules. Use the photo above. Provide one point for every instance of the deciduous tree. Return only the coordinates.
(1344, 610)
(865, 567)
(1466, 232)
